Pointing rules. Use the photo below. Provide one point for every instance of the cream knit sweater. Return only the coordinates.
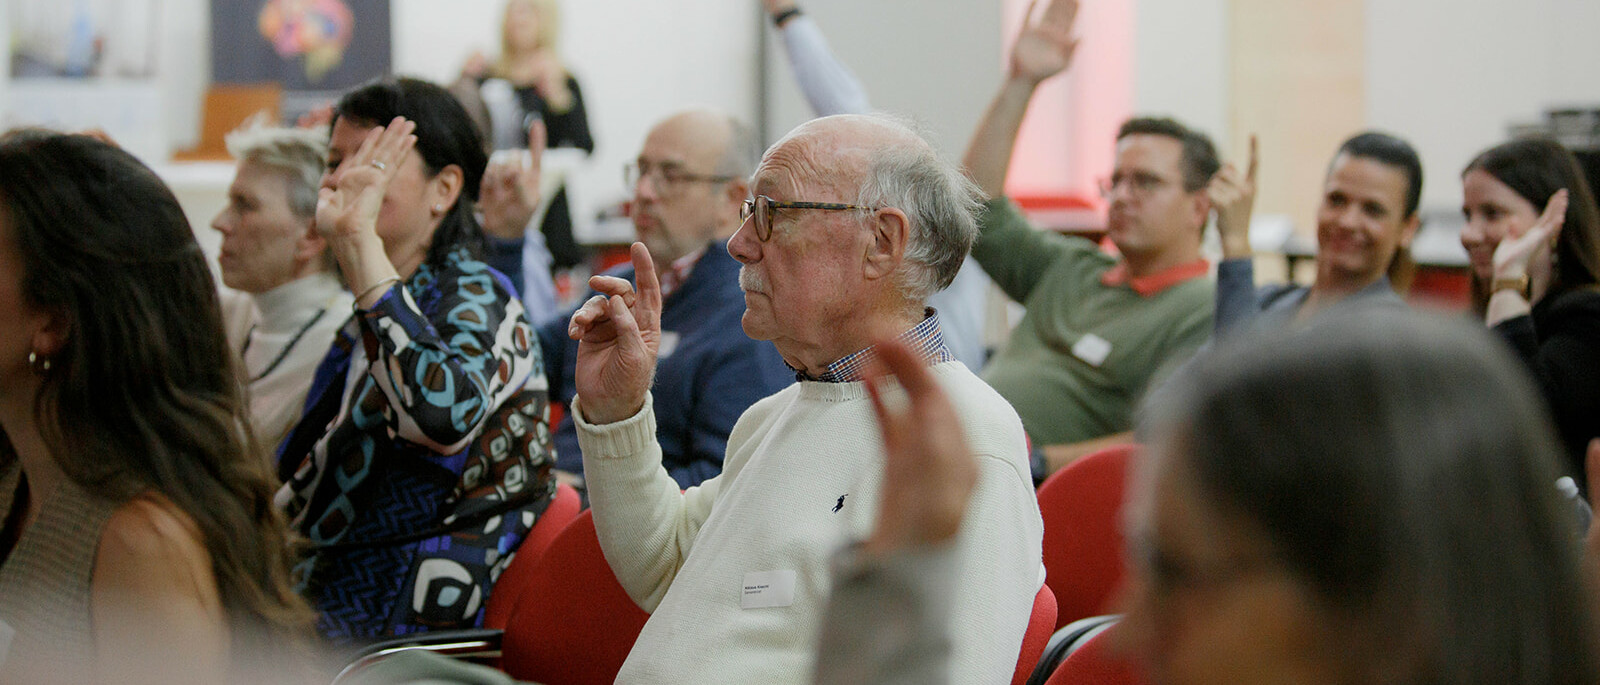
(792, 459)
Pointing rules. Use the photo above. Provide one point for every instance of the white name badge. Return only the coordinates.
(1092, 349)
(7, 633)
(668, 344)
(767, 589)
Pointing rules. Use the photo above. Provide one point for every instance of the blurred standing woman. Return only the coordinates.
(407, 473)
(1533, 235)
(131, 492)
(529, 81)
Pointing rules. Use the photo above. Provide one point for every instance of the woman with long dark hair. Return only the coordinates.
(1533, 235)
(419, 465)
(139, 542)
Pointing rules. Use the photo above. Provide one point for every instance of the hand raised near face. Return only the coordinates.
(1234, 198)
(510, 189)
(618, 334)
(1513, 255)
(351, 207)
(1044, 48)
(929, 471)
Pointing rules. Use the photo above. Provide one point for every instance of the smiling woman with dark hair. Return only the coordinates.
(417, 468)
(1533, 235)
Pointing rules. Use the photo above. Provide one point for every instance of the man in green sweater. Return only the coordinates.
(1098, 327)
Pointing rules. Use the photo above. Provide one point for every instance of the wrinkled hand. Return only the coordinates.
(1234, 198)
(510, 188)
(1044, 49)
(1513, 254)
(351, 207)
(929, 471)
(618, 333)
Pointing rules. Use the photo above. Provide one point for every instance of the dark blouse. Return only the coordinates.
(1560, 343)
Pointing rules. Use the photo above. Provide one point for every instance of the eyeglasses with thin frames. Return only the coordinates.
(1138, 184)
(668, 178)
(762, 208)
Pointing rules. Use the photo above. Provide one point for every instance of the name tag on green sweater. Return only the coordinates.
(1092, 349)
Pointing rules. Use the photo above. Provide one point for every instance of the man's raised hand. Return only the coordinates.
(618, 334)
(1044, 48)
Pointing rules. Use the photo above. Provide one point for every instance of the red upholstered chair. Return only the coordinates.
(1040, 624)
(1082, 510)
(568, 621)
(573, 624)
(1094, 663)
(508, 588)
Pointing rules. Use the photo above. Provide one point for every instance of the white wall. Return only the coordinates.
(937, 61)
(1181, 63)
(1451, 75)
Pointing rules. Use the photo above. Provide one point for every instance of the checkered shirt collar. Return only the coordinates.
(925, 339)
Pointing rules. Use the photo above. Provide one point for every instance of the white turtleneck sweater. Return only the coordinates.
(800, 480)
(270, 322)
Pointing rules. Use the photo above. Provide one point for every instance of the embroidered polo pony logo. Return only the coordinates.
(840, 504)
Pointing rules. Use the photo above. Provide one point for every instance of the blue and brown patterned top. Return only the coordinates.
(435, 357)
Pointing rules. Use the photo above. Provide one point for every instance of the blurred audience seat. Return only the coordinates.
(1040, 625)
(1083, 543)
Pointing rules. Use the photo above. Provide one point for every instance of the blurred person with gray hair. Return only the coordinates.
(854, 222)
(688, 182)
(289, 301)
(831, 88)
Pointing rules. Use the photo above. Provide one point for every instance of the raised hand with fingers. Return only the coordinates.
(1044, 48)
(1514, 255)
(929, 470)
(510, 190)
(618, 334)
(350, 208)
(1234, 198)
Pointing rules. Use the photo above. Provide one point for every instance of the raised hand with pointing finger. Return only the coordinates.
(1233, 197)
(618, 334)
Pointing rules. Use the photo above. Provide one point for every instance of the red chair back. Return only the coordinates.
(1040, 625)
(1082, 510)
(1095, 664)
(572, 624)
(513, 580)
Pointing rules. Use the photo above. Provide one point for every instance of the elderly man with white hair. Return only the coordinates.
(854, 223)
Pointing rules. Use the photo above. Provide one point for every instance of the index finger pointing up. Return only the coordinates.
(1250, 172)
(644, 270)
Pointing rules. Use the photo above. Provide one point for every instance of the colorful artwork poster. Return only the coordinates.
(314, 48)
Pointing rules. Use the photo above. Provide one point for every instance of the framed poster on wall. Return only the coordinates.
(315, 49)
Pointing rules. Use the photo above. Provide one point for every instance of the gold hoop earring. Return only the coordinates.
(39, 363)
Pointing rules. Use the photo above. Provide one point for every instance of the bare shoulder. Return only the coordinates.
(149, 545)
(152, 569)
